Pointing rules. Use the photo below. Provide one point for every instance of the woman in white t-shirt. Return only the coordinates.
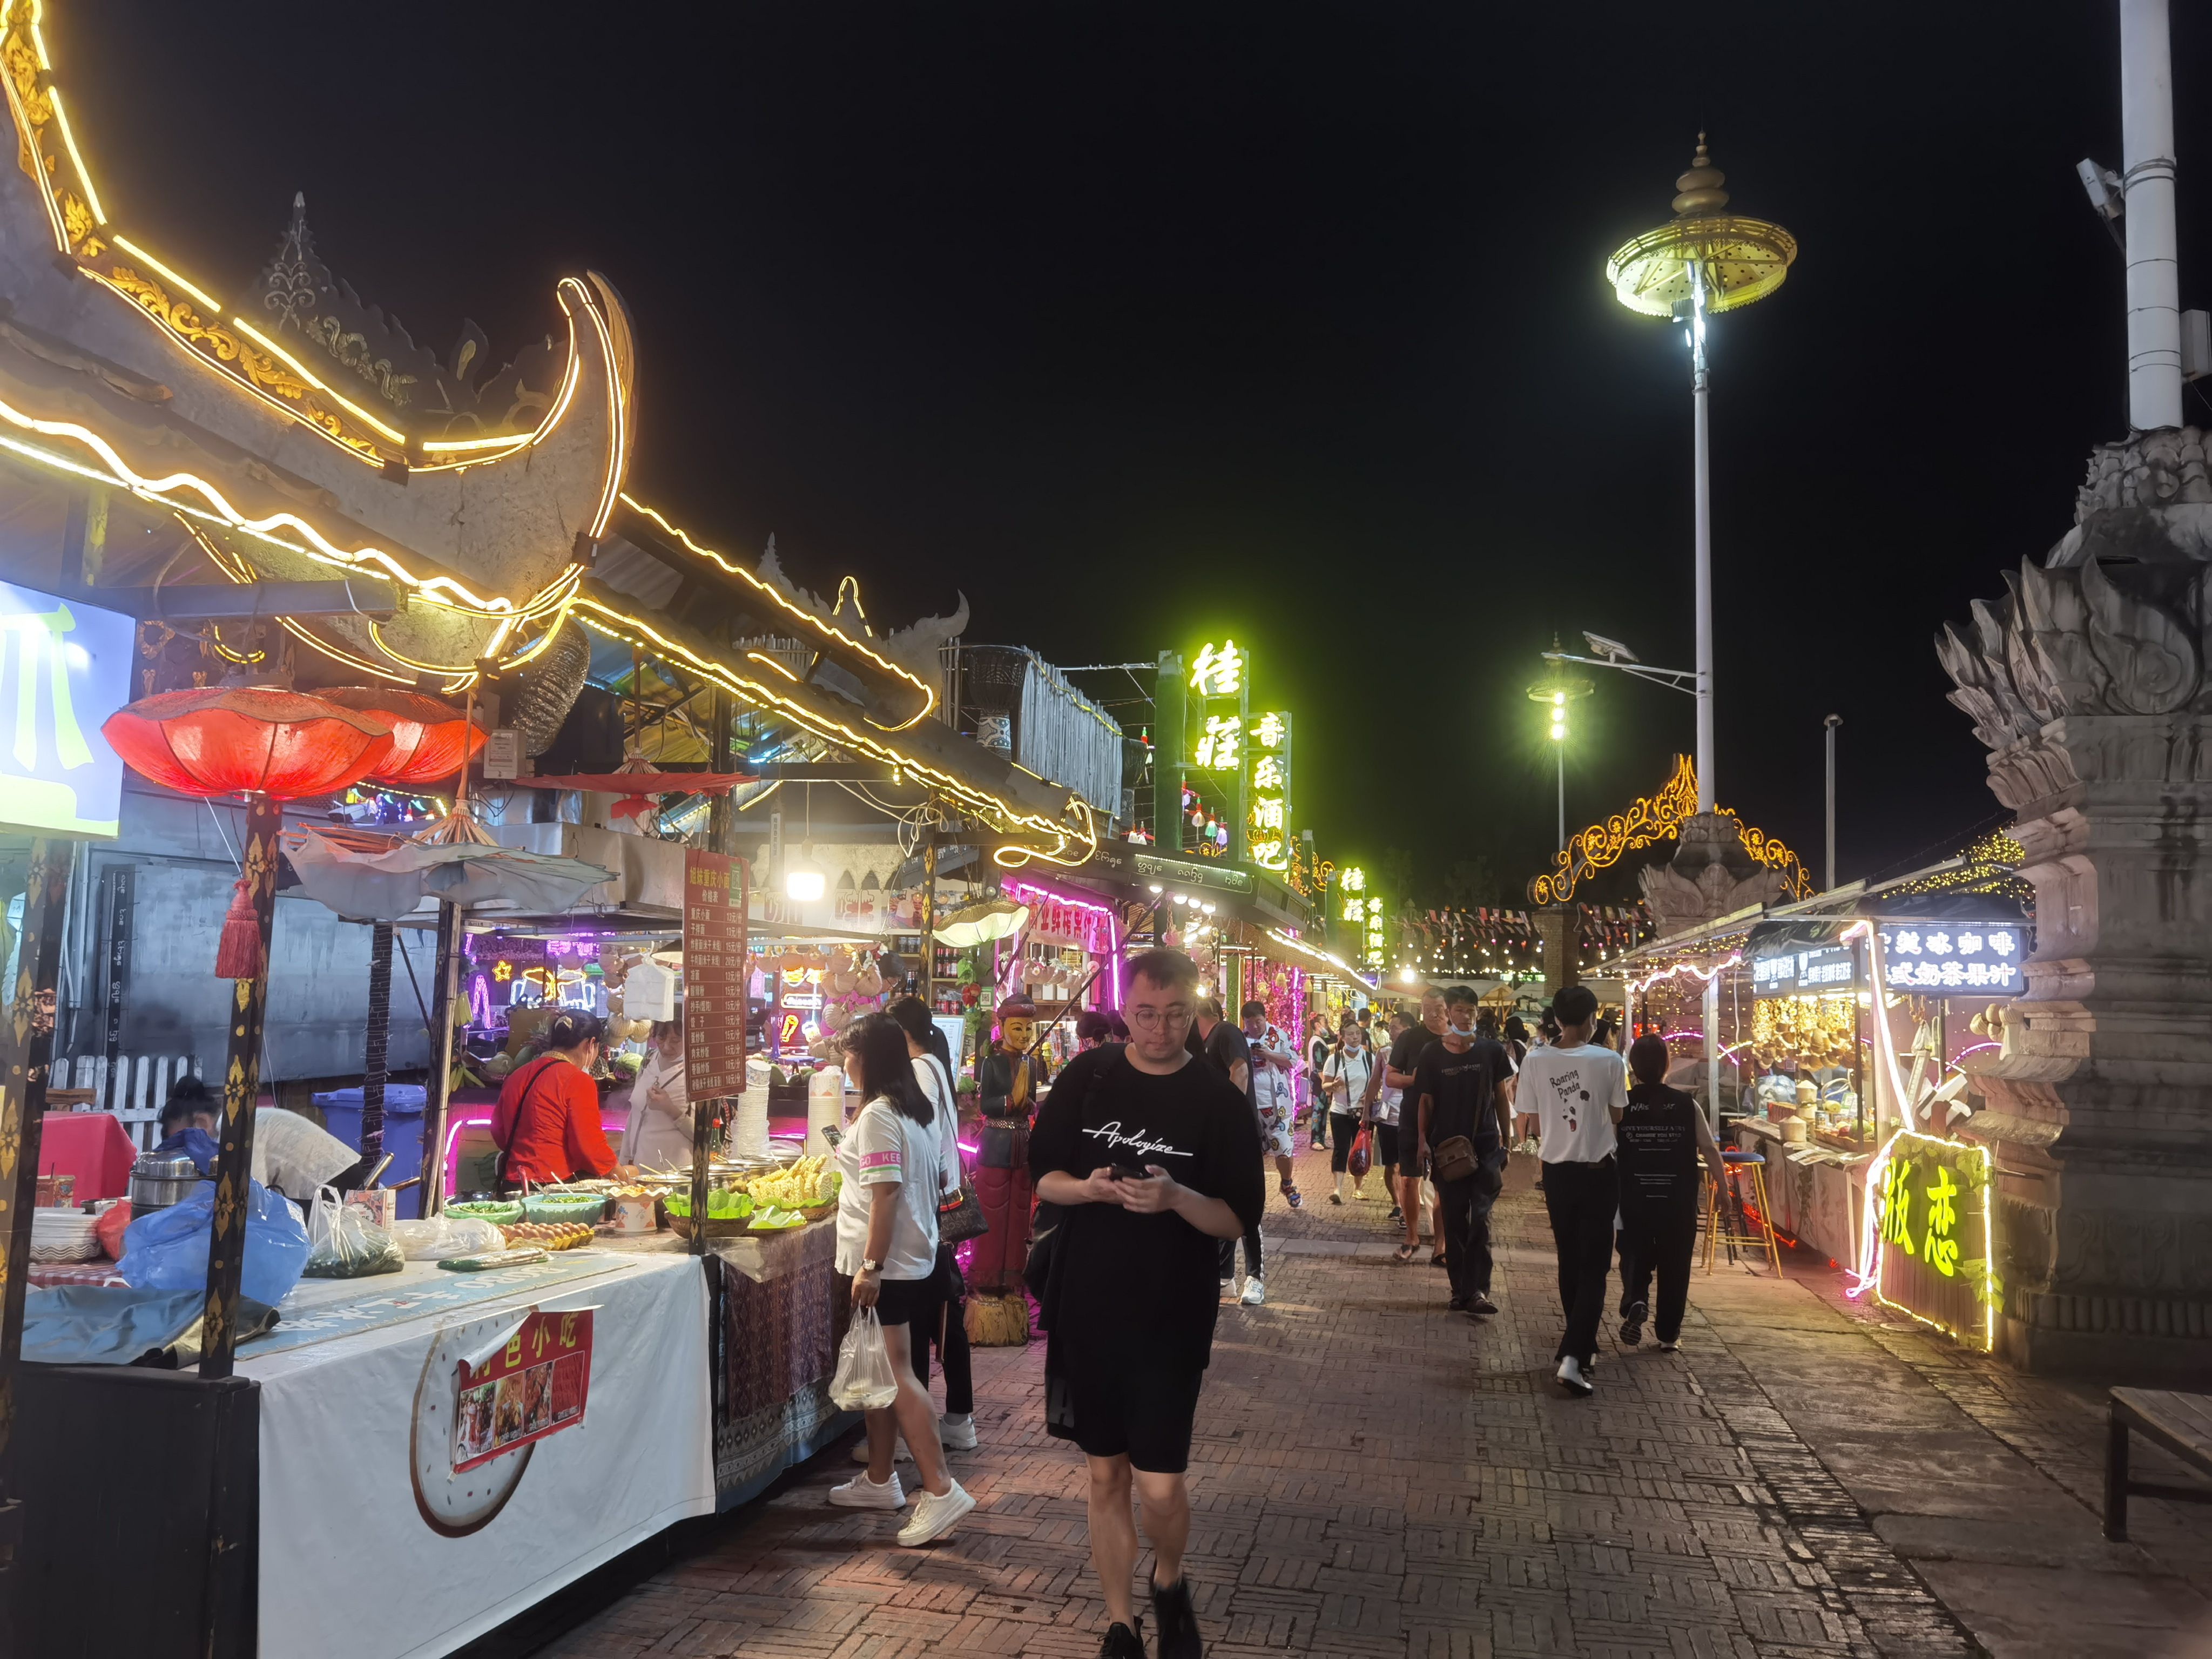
(658, 1135)
(1345, 1075)
(887, 1252)
(946, 1324)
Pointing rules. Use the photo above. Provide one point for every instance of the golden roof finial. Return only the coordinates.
(1700, 188)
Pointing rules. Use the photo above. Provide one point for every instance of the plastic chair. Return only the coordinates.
(1730, 1225)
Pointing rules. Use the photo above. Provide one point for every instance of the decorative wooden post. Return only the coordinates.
(929, 920)
(241, 1088)
(442, 997)
(26, 1040)
(375, 1050)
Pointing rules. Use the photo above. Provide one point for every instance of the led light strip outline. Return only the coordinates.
(1081, 834)
(1336, 964)
(22, 17)
(1088, 902)
(1867, 1274)
(556, 603)
(827, 630)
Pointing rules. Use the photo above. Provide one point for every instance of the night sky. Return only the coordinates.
(1144, 324)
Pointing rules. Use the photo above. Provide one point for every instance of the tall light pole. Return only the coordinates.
(1704, 260)
(1834, 720)
(2147, 156)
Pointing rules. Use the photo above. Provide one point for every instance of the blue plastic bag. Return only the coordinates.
(167, 1250)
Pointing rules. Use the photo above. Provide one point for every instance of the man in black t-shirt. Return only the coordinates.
(1398, 1073)
(1463, 1088)
(1128, 1303)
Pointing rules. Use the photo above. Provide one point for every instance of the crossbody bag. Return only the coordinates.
(959, 1215)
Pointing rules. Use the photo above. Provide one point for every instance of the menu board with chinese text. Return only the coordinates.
(714, 975)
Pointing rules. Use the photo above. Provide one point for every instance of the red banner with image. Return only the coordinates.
(534, 1385)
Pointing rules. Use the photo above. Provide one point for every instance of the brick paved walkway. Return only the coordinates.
(1376, 1476)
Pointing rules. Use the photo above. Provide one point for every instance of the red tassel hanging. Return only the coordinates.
(238, 956)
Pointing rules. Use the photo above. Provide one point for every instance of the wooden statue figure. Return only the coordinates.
(1009, 1078)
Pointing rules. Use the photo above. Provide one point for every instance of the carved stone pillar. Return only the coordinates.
(2086, 683)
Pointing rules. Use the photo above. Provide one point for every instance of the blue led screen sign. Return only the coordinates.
(64, 668)
(1810, 970)
(1964, 958)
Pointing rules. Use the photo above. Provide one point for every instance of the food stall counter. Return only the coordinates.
(481, 1439)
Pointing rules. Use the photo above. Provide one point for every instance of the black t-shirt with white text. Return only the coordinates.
(1134, 1284)
(1657, 1146)
(1462, 1091)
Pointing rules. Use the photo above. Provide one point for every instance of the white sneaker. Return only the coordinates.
(934, 1517)
(1571, 1375)
(862, 1493)
(899, 1453)
(1254, 1293)
(956, 1436)
(1670, 1347)
(1228, 1290)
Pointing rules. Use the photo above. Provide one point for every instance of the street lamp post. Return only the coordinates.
(1834, 720)
(1557, 694)
(1704, 260)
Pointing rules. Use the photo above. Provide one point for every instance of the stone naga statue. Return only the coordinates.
(2086, 683)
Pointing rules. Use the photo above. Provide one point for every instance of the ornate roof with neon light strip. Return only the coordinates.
(289, 432)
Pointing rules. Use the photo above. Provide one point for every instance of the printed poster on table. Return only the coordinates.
(533, 1384)
(714, 975)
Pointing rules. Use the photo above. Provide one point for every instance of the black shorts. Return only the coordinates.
(898, 1301)
(1409, 1149)
(1142, 1409)
(1386, 1146)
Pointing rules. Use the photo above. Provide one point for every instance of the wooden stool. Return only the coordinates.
(1717, 1231)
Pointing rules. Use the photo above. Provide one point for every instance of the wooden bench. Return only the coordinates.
(2182, 1423)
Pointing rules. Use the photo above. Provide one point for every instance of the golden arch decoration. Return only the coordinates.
(1650, 819)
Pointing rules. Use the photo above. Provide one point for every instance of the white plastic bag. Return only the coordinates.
(864, 1382)
(442, 1237)
(343, 1243)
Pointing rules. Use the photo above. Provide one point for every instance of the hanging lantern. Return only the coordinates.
(228, 740)
(431, 740)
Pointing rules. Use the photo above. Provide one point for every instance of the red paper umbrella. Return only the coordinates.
(431, 741)
(226, 740)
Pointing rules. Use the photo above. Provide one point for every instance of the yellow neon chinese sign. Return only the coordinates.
(1217, 673)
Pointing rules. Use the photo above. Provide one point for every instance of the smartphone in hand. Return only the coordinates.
(1130, 1172)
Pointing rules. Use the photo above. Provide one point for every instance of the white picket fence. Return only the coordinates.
(133, 1088)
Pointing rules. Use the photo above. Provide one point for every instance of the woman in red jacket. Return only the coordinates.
(546, 1125)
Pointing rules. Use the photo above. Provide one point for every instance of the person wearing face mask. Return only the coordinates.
(1464, 1091)
(1273, 1063)
(1398, 1073)
(1345, 1077)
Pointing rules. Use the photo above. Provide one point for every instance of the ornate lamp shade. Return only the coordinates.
(225, 740)
(431, 741)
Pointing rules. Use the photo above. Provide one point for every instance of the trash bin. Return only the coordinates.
(404, 1104)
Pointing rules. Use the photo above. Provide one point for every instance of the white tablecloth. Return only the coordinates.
(348, 1565)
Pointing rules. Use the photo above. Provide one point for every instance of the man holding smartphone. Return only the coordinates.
(1154, 1160)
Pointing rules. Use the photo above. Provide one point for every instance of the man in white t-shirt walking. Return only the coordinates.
(1575, 1092)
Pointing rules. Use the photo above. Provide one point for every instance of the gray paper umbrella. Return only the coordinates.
(383, 878)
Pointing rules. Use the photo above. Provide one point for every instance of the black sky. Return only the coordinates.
(1141, 323)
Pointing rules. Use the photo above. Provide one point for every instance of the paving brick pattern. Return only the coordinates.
(1373, 1475)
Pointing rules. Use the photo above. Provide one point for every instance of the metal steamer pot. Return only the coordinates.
(159, 1179)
